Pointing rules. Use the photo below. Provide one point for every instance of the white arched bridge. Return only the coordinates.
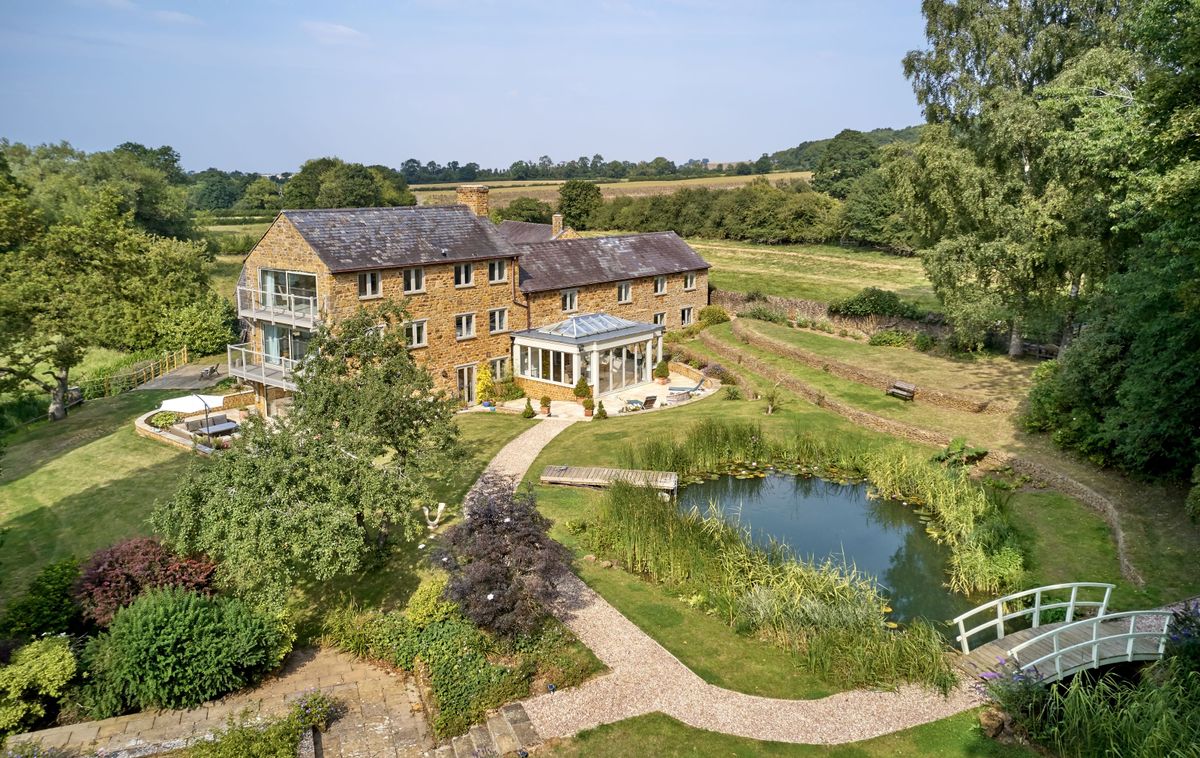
(1038, 629)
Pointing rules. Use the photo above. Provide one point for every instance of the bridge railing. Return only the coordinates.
(998, 618)
(1127, 627)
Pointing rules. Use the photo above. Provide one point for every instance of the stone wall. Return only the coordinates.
(744, 330)
(534, 390)
(546, 307)
(813, 310)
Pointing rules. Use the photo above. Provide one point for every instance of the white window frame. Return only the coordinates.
(416, 272)
(660, 319)
(500, 375)
(686, 316)
(408, 332)
(660, 285)
(504, 317)
(561, 362)
(469, 281)
(503, 264)
(573, 295)
(689, 281)
(364, 277)
(628, 288)
(471, 320)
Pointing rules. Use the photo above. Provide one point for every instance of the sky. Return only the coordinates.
(263, 85)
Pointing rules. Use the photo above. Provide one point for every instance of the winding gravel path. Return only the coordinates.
(644, 677)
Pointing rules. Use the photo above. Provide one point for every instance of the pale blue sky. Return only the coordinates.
(261, 85)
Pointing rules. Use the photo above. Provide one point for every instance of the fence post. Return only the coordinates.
(185, 354)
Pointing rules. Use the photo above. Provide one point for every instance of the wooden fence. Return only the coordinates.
(127, 380)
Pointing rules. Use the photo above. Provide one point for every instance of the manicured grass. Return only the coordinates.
(391, 581)
(74, 486)
(986, 376)
(662, 736)
(546, 190)
(813, 272)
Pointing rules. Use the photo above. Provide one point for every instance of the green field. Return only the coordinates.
(812, 272)
(546, 190)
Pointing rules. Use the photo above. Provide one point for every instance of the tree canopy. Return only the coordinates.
(577, 201)
(333, 183)
(526, 209)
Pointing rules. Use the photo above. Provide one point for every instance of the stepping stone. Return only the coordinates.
(503, 736)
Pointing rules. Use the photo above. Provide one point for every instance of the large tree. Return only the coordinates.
(848, 156)
(313, 495)
(526, 209)
(577, 201)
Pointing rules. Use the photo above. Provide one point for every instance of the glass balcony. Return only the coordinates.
(278, 307)
(255, 366)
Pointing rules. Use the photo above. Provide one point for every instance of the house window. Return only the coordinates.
(464, 275)
(289, 291)
(464, 326)
(368, 285)
(660, 285)
(500, 371)
(570, 300)
(660, 319)
(414, 280)
(497, 271)
(689, 280)
(685, 316)
(625, 292)
(417, 336)
(545, 365)
(498, 321)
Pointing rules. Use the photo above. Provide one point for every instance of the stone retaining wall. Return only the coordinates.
(747, 333)
(994, 459)
(814, 310)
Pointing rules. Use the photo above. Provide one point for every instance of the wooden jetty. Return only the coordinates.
(591, 476)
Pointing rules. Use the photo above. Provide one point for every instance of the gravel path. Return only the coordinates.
(644, 677)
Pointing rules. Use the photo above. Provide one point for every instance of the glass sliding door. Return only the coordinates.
(290, 291)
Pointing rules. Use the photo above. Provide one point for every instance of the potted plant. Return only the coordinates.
(545, 405)
(588, 406)
(582, 390)
(662, 373)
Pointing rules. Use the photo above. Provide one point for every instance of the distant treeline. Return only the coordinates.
(807, 155)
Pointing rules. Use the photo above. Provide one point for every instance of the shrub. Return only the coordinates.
(720, 373)
(279, 738)
(47, 607)
(872, 301)
(503, 565)
(1193, 496)
(765, 313)
(115, 576)
(1183, 640)
(733, 393)
(890, 338)
(923, 342)
(508, 390)
(173, 648)
(600, 412)
(528, 412)
(485, 387)
(662, 370)
(545, 401)
(163, 419)
(582, 388)
(711, 315)
(204, 325)
(959, 453)
(589, 404)
(37, 674)
(755, 296)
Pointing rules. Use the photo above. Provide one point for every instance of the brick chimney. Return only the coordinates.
(555, 225)
(475, 197)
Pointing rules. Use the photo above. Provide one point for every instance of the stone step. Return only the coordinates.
(463, 746)
(518, 721)
(503, 737)
(506, 733)
(445, 751)
(484, 748)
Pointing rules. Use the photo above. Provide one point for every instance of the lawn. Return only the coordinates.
(986, 376)
(813, 272)
(546, 190)
(662, 736)
(223, 275)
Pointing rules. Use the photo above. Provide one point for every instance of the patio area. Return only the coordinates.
(615, 402)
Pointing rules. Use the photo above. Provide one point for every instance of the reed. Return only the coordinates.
(830, 615)
(985, 554)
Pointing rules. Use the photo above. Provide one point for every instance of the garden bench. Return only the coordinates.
(1039, 351)
(196, 424)
(902, 390)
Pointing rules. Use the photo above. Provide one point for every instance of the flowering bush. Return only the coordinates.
(1183, 640)
(1019, 693)
(115, 576)
(503, 565)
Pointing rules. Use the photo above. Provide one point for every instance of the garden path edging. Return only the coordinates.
(644, 677)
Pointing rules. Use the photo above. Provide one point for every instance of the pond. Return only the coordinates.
(818, 519)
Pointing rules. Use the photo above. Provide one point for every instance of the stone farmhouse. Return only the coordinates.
(540, 306)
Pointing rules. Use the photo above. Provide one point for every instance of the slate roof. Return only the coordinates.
(523, 232)
(355, 239)
(593, 260)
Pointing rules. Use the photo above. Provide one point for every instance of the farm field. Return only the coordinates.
(223, 274)
(503, 193)
(813, 272)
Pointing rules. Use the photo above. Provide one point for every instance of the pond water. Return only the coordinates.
(819, 519)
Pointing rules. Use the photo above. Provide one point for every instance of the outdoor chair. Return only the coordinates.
(688, 390)
(630, 405)
(648, 403)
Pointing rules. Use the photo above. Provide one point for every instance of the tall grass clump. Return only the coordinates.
(831, 616)
(985, 555)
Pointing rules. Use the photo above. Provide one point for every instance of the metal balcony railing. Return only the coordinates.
(265, 305)
(255, 366)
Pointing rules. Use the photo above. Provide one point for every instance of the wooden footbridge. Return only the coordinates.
(1017, 633)
(590, 476)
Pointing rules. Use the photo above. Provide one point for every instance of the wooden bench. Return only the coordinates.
(902, 390)
(1039, 351)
